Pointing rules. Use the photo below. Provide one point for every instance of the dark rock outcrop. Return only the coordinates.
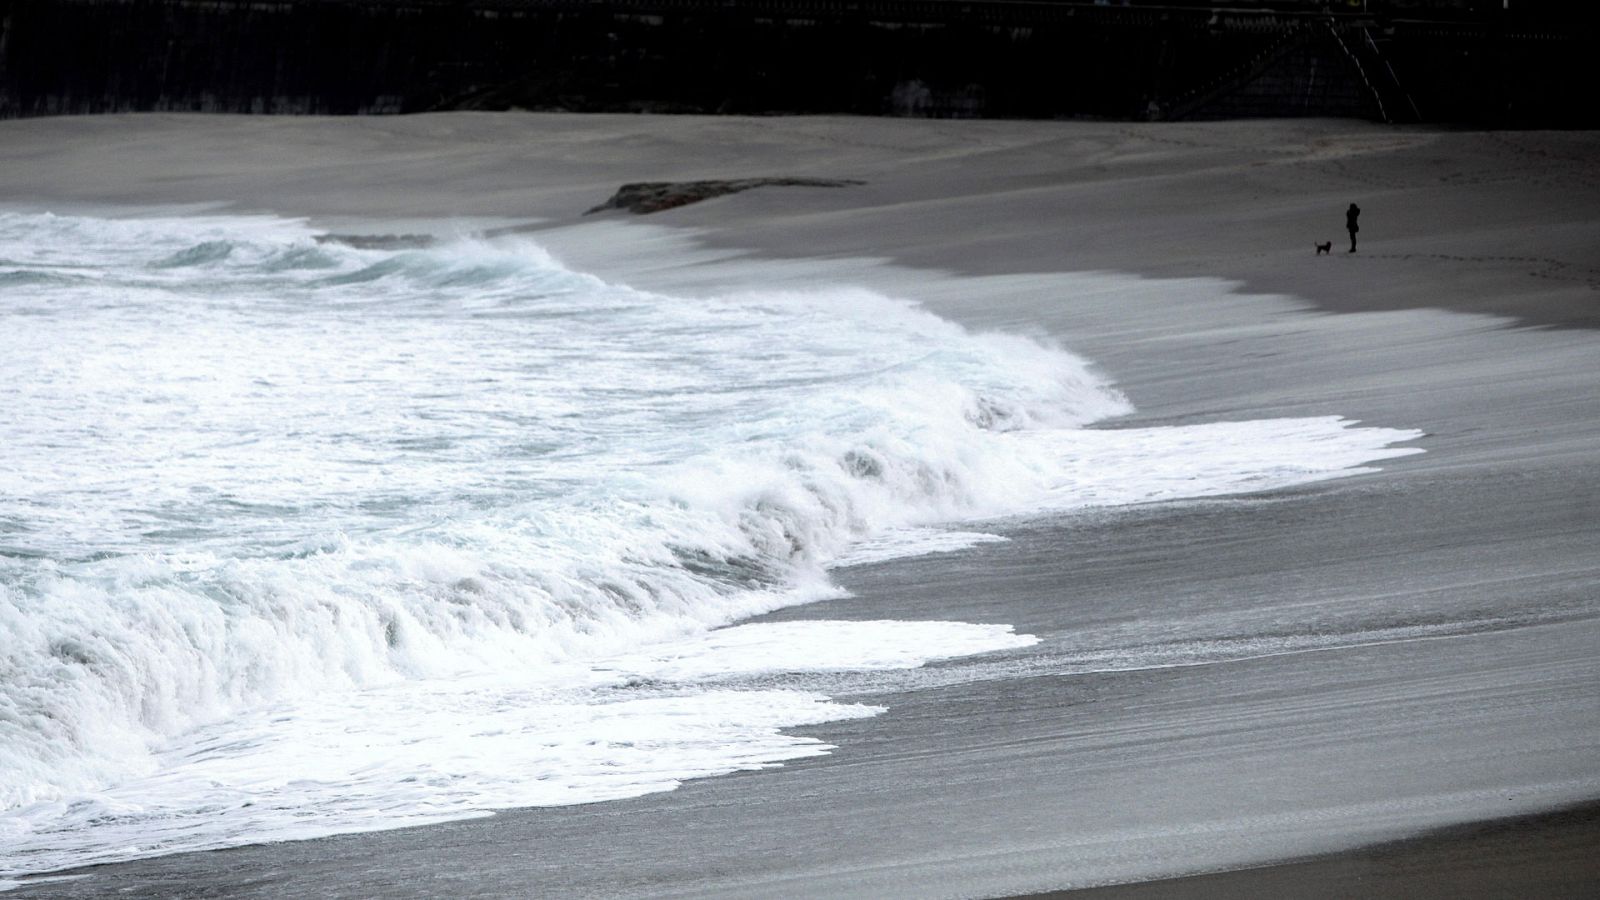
(641, 197)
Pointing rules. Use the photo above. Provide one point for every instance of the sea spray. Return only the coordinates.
(298, 538)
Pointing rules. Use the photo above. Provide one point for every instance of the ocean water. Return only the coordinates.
(299, 539)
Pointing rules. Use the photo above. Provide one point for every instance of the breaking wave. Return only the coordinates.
(259, 492)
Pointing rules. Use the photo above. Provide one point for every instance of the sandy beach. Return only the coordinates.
(1367, 685)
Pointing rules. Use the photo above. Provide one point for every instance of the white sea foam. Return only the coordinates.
(813, 646)
(451, 748)
(901, 543)
(264, 499)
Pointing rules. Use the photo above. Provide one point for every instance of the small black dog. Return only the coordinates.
(1324, 247)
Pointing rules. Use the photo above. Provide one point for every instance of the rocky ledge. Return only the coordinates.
(643, 197)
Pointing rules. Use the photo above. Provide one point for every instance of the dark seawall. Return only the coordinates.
(875, 57)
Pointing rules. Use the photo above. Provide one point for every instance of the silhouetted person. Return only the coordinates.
(1350, 217)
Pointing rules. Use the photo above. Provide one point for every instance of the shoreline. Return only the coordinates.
(1471, 221)
(1495, 509)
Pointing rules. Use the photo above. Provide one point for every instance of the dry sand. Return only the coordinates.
(1430, 633)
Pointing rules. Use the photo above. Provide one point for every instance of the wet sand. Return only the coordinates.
(1547, 855)
(1326, 668)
